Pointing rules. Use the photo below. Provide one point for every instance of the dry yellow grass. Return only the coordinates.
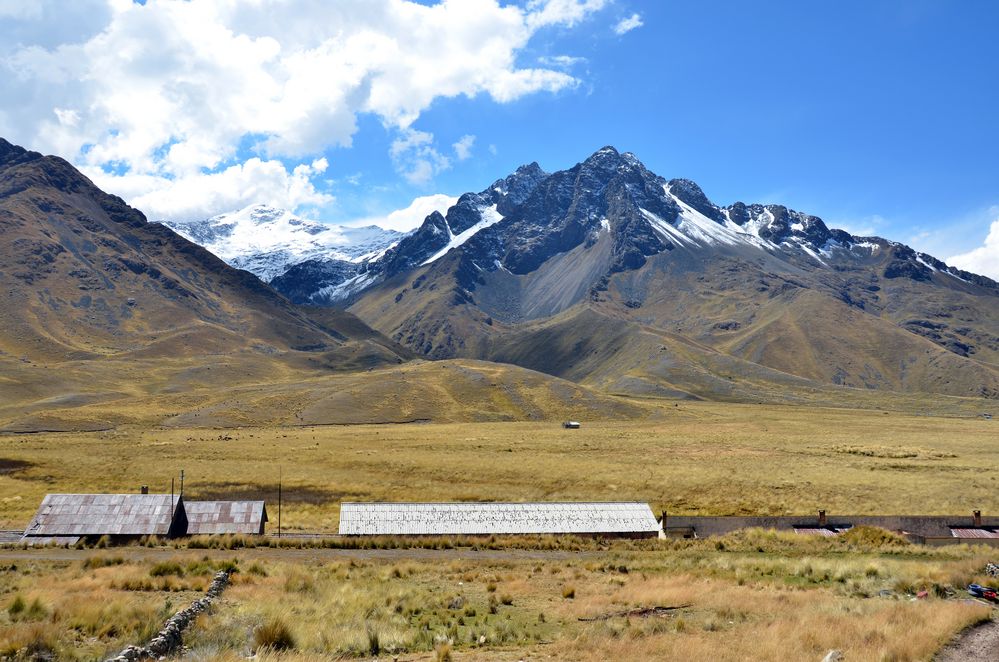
(695, 459)
(765, 596)
(87, 610)
(498, 610)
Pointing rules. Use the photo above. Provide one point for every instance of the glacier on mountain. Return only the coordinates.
(266, 241)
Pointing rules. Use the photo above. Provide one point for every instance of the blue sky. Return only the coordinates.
(879, 116)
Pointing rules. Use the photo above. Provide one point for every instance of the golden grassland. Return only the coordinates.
(694, 458)
(752, 595)
(87, 610)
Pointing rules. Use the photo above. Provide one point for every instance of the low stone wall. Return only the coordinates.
(171, 636)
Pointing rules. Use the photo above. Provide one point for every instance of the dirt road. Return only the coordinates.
(286, 554)
(980, 643)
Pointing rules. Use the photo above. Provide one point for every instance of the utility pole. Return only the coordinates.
(279, 502)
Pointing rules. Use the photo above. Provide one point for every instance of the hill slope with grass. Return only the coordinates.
(107, 319)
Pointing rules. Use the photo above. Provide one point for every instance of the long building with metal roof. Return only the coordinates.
(220, 517)
(65, 516)
(626, 519)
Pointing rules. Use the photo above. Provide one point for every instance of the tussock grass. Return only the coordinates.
(766, 596)
(273, 635)
(80, 611)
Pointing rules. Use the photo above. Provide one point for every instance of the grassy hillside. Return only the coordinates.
(244, 388)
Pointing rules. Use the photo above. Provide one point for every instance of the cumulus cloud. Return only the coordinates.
(411, 217)
(176, 91)
(628, 24)
(983, 260)
(190, 196)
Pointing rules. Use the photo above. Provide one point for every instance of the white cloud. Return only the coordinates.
(20, 9)
(463, 148)
(197, 195)
(412, 216)
(861, 227)
(560, 61)
(416, 158)
(983, 260)
(628, 24)
(176, 91)
(561, 12)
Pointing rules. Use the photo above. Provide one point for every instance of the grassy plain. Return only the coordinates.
(755, 596)
(695, 458)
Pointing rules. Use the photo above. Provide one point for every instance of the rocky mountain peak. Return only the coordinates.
(515, 188)
(10, 152)
(691, 194)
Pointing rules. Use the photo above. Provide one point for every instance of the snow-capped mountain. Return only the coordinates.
(608, 272)
(267, 241)
(520, 222)
(611, 275)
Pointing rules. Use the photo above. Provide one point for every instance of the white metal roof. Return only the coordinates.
(495, 518)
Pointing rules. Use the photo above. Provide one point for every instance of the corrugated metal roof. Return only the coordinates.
(821, 530)
(974, 533)
(495, 518)
(213, 517)
(104, 514)
(41, 541)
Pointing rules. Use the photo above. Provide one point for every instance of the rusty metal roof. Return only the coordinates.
(985, 534)
(213, 517)
(105, 514)
(496, 518)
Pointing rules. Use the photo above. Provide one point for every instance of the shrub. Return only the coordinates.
(94, 562)
(17, 607)
(443, 653)
(36, 610)
(506, 599)
(274, 635)
(299, 581)
(166, 568)
(873, 537)
(569, 592)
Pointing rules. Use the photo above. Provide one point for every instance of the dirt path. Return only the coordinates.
(980, 643)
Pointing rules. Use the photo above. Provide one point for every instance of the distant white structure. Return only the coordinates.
(571, 425)
(616, 519)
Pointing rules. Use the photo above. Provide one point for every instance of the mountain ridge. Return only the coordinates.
(611, 236)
